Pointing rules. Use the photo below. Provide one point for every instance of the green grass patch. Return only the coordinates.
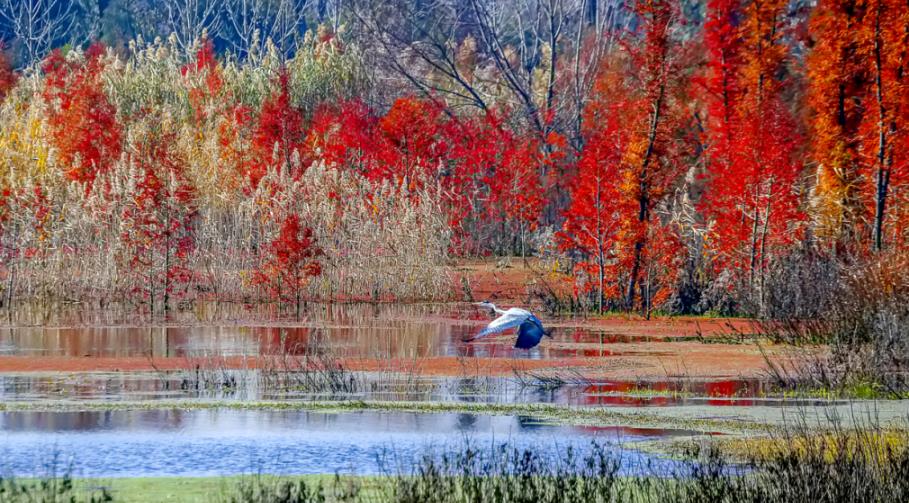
(860, 389)
(208, 489)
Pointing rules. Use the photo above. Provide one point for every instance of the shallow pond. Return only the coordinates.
(225, 442)
(402, 331)
(409, 334)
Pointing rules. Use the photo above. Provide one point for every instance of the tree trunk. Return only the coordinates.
(883, 160)
(764, 230)
(632, 280)
(644, 197)
(601, 261)
(523, 256)
(752, 263)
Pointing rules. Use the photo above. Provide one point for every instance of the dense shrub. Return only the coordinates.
(863, 314)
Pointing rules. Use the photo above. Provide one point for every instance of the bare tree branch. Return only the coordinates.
(188, 20)
(250, 22)
(39, 25)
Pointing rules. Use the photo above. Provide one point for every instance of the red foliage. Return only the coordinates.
(343, 135)
(205, 81)
(487, 173)
(750, 201)
(279, 135)
(591, 225)
(159, 220)
(292, 261)
(515, 191)
(412, 139)
(83, 122)
(8, 77)
(723, 43)
(627, 167)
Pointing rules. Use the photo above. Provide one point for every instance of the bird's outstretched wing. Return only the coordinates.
(504, 322)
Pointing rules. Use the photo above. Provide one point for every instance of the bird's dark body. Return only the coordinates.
(530, 328)
(530, 333)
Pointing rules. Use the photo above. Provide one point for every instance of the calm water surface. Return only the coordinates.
(226, 442)
(352, 330)
(385, 331)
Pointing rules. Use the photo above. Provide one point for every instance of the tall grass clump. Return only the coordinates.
(507, 474)
(269, 489)
(846, 465)
(52, 487)
(843, 465)
(865, 322)
(313, 369)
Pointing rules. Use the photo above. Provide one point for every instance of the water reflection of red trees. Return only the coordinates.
(638, 393)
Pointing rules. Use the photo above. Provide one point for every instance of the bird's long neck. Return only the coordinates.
(497, 310)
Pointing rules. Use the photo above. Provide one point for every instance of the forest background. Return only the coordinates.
(732, 157)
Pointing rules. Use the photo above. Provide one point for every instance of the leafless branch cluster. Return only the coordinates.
(535, 56)
(40, 25)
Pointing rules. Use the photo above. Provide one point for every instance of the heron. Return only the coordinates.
(530, 328)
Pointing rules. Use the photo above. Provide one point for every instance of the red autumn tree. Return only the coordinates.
(343, 135)
(723, 44)
(158, 217)
(491, 177)
(203, 77)
(411, 140)
(629, 161)
(292, 260)
(750, 199)
(474, 143)
(591, 224)
(279, 138)
(83, 122)
(515, 191)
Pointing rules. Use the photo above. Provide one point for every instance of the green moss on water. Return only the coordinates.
(853, 390)
(656, 393)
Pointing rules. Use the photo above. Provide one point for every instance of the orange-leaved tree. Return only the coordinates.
(836, 87)
(883, 40)
(83, 122)
(638, 94)
(858, 90)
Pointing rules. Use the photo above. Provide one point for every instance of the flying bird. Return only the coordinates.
(530, 328)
